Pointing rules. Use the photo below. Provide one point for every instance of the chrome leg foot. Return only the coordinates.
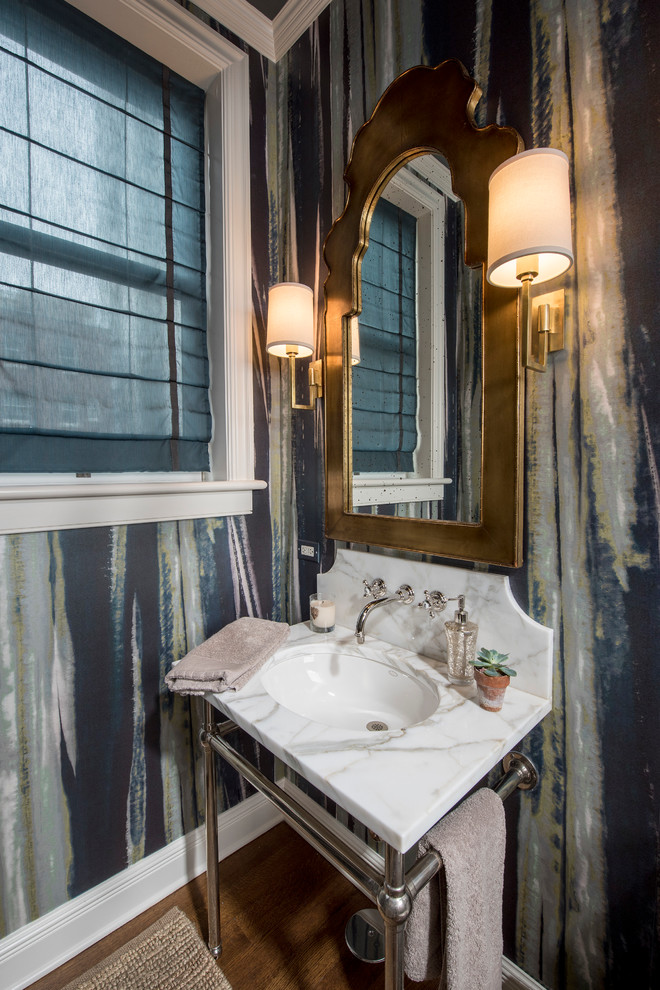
(365, 936)
(216, 952)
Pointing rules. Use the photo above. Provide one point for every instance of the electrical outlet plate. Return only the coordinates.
(308, 550)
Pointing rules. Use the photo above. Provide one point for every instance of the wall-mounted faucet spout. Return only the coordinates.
(404, 596)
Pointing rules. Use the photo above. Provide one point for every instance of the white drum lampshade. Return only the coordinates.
(354, 326)
(290, 319)
(529, 218)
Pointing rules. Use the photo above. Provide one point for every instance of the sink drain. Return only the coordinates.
(377, 726)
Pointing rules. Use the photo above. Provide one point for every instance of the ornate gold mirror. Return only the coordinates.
(424, 433)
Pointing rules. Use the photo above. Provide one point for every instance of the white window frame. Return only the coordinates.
(30, 503)
(425, 200)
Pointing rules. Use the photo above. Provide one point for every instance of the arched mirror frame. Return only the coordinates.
(428, 110)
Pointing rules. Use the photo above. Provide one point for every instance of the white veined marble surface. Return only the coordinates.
(488, 599)
(401, 782)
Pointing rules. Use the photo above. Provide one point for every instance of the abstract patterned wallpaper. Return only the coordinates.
(97, 761)
(582, 910)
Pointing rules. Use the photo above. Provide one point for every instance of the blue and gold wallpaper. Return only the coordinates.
(98, 765)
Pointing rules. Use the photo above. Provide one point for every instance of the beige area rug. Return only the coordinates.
(169, 955)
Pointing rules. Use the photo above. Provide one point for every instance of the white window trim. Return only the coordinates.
(406, 190)
(168, 32)
(373, 489)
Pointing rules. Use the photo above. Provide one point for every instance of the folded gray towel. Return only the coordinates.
(227, 660)
(454, 932)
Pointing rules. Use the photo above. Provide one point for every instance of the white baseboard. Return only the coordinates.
(515, 978)
(41, 946)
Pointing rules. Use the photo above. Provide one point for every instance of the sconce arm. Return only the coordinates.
(315, 375)
(528, 359)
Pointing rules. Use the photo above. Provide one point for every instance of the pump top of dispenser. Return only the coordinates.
(460, 615)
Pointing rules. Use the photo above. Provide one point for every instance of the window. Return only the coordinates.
(103, 360)
(206, 59)
(385, 380)
(399, 390)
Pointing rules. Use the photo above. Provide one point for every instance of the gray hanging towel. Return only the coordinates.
(454, 931)
(227, 660)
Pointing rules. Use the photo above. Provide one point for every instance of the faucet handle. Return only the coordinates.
(435, 602)
(377, 588)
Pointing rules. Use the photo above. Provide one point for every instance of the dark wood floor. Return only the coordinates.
(283, 913)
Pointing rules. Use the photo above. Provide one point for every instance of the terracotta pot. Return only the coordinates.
(491, 690)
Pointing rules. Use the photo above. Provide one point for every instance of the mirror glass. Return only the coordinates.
(416, 355)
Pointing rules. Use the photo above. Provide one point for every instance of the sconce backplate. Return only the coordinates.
(555, 300)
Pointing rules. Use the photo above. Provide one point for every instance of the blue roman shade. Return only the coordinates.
(103, 358)
(385, 381)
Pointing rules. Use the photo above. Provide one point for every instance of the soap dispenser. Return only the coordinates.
(461, 645)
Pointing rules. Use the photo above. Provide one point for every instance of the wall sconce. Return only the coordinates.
(290, 334)
(529, 240)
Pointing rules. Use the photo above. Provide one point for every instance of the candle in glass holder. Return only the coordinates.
(321, 614)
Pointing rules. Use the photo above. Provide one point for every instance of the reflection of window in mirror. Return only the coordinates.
(399, 388)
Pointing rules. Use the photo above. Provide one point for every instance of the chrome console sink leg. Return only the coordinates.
(394, 905)
(211, 825)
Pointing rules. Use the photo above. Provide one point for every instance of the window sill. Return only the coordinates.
(381, 491)
(37, 508)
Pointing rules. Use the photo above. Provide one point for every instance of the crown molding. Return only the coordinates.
(292, 21)
(244, 20)
(270, 38)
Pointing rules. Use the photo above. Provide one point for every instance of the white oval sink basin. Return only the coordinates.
(347, 690)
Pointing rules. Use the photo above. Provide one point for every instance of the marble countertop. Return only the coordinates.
(400, 782)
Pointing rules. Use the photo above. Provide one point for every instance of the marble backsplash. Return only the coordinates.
(503, 625)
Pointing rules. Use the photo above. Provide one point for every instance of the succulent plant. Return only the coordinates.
(492, 663)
